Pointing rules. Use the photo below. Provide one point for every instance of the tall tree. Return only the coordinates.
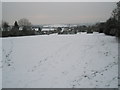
(116, 16)
(112, 26)
(26, 25)
(16, 26)
(5, 26)
(24, 22)
(15, 29)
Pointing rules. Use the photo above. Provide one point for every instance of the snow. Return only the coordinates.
(0, 63)
(60, 61)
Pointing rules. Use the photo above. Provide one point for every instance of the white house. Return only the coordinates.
(47, 29)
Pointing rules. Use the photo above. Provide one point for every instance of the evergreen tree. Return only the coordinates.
(16, 25)
(15, 29)
(5, 26)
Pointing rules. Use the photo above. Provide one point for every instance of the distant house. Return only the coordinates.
(65, 30)
(20, 28)
(36, 28)
(48, 30)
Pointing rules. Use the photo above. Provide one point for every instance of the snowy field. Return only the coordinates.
(0, 63)
(60, 61)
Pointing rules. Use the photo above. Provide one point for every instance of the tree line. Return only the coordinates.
(109, 27)
(112, 25)
(9, 31)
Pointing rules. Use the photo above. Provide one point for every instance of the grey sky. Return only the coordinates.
(59, 12)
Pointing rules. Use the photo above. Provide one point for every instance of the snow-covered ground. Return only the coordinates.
(60, 61)
(0, 63)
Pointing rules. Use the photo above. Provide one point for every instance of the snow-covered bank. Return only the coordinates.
(60, 61)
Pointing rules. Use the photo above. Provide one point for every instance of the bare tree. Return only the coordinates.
(24, 22)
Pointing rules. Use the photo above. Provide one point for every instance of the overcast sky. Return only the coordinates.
(59, 12)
